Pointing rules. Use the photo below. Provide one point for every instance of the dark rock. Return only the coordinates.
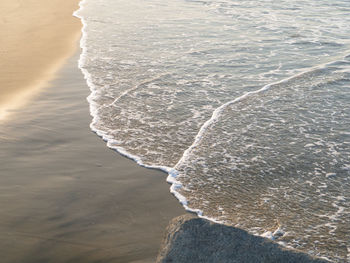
(196, 240)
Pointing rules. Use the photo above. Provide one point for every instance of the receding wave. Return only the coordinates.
(224, 97)
(278, 159)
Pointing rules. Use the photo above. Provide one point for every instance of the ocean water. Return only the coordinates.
(246, 105)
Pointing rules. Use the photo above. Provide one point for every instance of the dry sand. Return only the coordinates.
(66, 197)
(36, 37)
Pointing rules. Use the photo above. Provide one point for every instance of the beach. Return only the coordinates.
(244, 106)
(65, 196)
(36, 38)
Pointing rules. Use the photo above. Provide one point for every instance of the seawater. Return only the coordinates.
(246, 104)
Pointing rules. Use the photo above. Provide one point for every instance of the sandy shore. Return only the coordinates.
(66, 197)
(36, 37)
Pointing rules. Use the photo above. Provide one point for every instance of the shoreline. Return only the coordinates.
(65, 196)
(36, 38)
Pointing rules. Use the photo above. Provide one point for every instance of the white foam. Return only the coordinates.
(172, 172)
(218, 112)
(173, 177)
(175, 184)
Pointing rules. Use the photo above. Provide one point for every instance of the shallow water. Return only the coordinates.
(246, 102)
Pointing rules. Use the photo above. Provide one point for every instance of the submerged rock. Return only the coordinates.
(196, 240)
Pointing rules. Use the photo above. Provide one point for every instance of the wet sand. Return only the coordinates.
(66, 197)
(36, 37)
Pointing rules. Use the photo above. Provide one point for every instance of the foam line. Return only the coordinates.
(171, 171)
(218, 111)
(171, 179)
(214, 118)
